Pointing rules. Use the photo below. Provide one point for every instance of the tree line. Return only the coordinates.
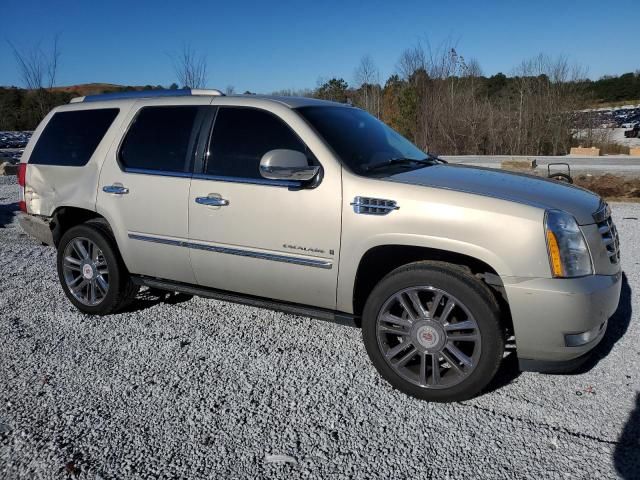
(444, 104)
(436, 98)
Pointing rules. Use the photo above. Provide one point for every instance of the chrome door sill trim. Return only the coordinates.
(308, 262)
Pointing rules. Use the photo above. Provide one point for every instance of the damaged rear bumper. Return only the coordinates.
(37, 227)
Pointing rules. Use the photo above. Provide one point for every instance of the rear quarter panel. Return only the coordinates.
(49, 187)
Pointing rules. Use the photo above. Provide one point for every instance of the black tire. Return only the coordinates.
(471, 292)
(561, 177)
(121, 290)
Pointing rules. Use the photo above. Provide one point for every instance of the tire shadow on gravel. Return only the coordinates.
(626, 456)
(616, 329)
(7, 212)
(508, 371)
(150, 297)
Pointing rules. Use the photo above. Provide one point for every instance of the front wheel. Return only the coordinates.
(91, 271)
(432, 330)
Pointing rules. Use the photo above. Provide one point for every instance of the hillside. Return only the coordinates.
(94, 88)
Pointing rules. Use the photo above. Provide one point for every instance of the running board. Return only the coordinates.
(250, 300)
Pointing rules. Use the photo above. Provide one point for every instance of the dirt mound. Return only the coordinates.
(611, 186)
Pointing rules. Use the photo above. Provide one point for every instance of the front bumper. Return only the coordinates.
(546, 311)
(37, 227)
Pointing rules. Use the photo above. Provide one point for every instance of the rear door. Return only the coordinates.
(144, 188)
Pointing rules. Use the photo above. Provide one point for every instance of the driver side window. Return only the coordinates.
(241, 136)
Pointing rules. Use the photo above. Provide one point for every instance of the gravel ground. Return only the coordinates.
(206, 389)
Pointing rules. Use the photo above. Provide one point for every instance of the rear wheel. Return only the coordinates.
(432, 330)
(91, 271)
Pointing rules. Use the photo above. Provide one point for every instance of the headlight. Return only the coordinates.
(568, 252)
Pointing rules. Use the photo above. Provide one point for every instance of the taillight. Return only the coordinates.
(22, 181)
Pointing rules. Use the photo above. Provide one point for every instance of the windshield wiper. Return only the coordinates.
(399, 161)
(436, 158)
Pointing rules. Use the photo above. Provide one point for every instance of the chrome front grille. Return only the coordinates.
(609, 233)
(373, 206)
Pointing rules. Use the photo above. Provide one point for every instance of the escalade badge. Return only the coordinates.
(303, 249)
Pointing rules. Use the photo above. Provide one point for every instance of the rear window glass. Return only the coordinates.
(70, 138)
(160, 138)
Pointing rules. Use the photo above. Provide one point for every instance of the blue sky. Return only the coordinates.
(265, 46)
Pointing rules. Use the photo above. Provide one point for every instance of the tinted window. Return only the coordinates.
(241, 136)
(359, 139)
(70, 138)
(159, 139)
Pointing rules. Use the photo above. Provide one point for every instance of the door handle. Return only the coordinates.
(212, 201)
(115, 189)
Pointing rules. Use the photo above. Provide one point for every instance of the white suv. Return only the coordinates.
(319, 209)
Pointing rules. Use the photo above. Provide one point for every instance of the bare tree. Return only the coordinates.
(473, 68)
(444, 96)
(547, 96)
(190, 68)
(38, 69)
(367, 77)
(54, 59)
(411, 60)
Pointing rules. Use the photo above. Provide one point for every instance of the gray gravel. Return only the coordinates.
(205, 389)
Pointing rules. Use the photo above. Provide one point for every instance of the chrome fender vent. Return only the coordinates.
(373, 206)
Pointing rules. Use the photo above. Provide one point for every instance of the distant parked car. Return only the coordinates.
(14, 139)
(634, 132)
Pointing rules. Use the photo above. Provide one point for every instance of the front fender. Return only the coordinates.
(507, 236)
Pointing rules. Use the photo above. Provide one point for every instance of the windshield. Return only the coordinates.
(361, 140)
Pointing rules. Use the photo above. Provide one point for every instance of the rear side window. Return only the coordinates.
(70, 138)
(160, 139)
(241, 136)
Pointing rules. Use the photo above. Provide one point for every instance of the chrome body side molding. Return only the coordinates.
(308, 262)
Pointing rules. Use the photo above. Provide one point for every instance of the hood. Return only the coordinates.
(510, 186)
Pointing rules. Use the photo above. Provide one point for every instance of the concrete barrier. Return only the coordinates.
(584, 151)
(519, 164)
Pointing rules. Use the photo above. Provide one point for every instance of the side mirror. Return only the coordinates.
(284, 164)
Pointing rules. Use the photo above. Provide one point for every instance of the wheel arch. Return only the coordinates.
(380, 260)
(65, 217)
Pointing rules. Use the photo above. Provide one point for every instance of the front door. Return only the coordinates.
(263, 237)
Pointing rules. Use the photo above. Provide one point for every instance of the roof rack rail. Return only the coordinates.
(185, 92)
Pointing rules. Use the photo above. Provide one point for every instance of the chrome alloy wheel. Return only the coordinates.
(85, 270)
(428, 337)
